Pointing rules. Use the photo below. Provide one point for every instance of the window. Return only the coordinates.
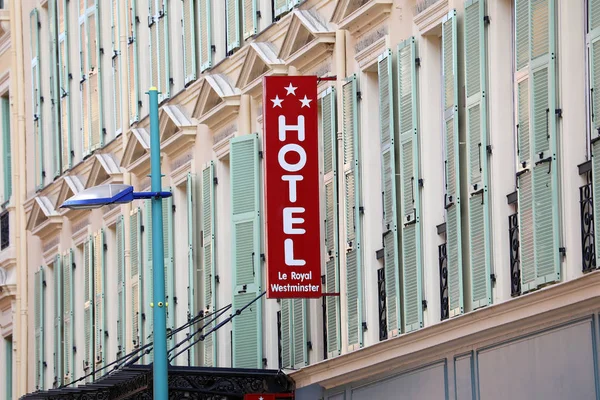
(36, 77)
(158, 23)
(9, 351)
(39, 317)
(242, 22)
(116, 65)
(188, 23)
(64, 82)
(537, 173)
(132, 62)
(6, 148)
(4, 230)
(90, 83)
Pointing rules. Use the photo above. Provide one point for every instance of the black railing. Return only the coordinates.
(382, 304)
(515, 257)
(4, 231)
(586, 207)
(443, 263)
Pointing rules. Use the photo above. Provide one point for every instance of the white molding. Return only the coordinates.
(544, 308)
(369, 55)
(431, 17)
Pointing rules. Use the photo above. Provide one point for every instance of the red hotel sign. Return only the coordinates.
(291, 138)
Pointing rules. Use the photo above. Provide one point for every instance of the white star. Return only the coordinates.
(305, 102)
(277, 102)
(290, 90)
(261, 398)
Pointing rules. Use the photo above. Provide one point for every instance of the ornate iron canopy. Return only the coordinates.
(135, 382)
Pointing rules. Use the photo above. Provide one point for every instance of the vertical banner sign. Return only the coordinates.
(291, 139)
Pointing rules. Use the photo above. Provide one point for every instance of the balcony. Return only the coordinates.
(586, 208)
(443, 264)
(515, 259)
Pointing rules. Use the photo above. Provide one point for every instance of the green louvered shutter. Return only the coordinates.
(352, 212)
(410, 195)
(169, 265)
(192, 301)
(6, 149)
(286, 342)
(246, 248)
(451, 134)
(121, 324)
(99, 301)
(68, 321)
(136, 282)
(208, 259)
(88, 315)
(58, 323)
(477, 142)
(95, 77)
(64, 72)
(205, 21)
(332, 263)
(188, 22)
(159, 47)
(116, 64)
(280, 7)
(84, 86)
(537, 171)
(294, 330)
(593, 42)
(249, 18)
(388, 192)
(39, 304)
(54, 87)
(148, 327)
(232, 8)
(132, 62)
(36, 80)
(300, 332)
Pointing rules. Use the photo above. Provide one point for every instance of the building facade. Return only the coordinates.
(457, 142)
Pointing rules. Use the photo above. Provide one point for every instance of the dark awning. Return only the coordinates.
(135, 382)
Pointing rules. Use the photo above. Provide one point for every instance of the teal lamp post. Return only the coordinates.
(98, 196)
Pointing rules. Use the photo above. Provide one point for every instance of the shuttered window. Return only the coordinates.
(68, 321)
(36, 82)
(352, 211)
(64, 86)
(294, 348)
(121, 324)
(158, 23)
(390, 232)
(593, 44)
(188, 23)
(281, 7)
(249, 18)
(410, 195)
(452, 164)
(192, 300)
(537, 176)
(88, 315)
(477, 142)
(92, 132)
(246, 250)
(208, 260)
(331, 239)
(116, 64)
(58, 323)
(206, 39)
(39, 306)
(167, 217)
(148, 327)
(6, 149)
(136, 274)
(99, 300)
(52, 34)
(232, 9)
(132, 62)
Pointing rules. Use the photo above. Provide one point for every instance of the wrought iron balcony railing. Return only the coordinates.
(515, 259)
(382, 304)
(586, 207)
(443, 264)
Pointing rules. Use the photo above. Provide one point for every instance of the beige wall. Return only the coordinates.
(358, 56)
